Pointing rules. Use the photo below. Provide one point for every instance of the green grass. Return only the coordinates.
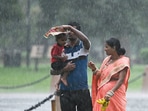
(136, 84)
(16, 76)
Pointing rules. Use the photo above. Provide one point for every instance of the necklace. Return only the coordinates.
(111, 60)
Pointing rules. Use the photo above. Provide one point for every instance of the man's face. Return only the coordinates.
(72, 36)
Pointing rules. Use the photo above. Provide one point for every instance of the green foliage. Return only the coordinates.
(144, 55)
(10, 11)
(100, 19)
(50, 11)
(10, 23)
(22, 75)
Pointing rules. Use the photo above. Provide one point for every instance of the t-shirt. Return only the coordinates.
(56, 50)
(77, 78)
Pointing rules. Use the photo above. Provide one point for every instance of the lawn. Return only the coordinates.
(23, 79)
(136, 78)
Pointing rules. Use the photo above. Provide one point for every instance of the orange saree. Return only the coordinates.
(101, 85)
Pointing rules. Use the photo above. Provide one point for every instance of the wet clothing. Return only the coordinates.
(76, 94)
(109, 74)
(81, 98)
(77, 78)
(55, 63)
(56, 50)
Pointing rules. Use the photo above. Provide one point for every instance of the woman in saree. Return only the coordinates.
(110, 81)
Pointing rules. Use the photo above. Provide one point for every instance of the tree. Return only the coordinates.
(10, 17)
(100, 19)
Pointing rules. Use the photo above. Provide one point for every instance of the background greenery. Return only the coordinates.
(19, 76)
(23, 23)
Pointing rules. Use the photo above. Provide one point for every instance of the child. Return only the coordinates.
(58, 57)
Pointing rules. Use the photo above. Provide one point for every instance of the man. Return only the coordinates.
(76, 96)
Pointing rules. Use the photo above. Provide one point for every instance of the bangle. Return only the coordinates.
(94, 71)
(110, 93)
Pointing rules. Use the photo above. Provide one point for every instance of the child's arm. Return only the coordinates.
(63, 58)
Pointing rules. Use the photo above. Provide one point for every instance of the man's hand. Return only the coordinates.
(69, 67)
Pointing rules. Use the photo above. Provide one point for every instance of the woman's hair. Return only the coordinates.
(115, 43)
(76, 24)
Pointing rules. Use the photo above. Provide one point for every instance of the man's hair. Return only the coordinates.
(75, 24)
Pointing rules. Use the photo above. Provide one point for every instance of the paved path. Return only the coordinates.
(137, 101)
(20, 102)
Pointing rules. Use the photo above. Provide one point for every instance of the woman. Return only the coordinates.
(111, 80)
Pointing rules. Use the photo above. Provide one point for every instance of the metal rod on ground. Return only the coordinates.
(55, 102)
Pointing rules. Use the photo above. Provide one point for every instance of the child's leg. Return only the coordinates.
(57, 84)
(55, 72)
(64, 78)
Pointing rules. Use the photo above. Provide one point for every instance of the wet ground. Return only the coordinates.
(137, 101)
(21, 102)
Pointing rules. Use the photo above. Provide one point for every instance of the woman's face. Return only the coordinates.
(109, 50)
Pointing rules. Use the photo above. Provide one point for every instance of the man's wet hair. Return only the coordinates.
(75, 24)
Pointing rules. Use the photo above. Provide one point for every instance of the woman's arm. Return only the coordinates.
(120, 81)
(94, 69)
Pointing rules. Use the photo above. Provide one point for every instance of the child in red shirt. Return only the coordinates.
(58, 57)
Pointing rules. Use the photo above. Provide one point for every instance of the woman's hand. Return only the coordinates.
(108, 95)
(92, 66)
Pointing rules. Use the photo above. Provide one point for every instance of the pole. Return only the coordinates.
(53, 105)
(28, 34)
(56, 101)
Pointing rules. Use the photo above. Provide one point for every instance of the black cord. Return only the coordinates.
(41, 102)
